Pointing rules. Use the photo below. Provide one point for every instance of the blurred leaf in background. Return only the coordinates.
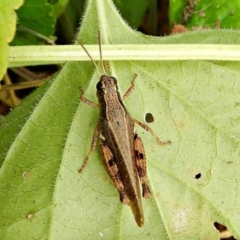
(37, 16)
(133, 11)
(205, 14)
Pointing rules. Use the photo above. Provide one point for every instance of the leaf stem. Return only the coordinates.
(39, 55)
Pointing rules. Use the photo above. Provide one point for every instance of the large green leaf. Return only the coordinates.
(194, 181)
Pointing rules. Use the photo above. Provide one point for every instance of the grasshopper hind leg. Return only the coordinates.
(113, 170)
(140, 159)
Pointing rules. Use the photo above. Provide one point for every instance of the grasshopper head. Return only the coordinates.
(107, 85)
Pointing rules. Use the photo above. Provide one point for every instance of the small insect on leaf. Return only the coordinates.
(121, 147)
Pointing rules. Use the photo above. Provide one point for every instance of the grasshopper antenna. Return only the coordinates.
(100, 50)
(90, 58)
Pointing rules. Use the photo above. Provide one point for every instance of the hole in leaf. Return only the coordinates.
(197, 176)
(224, 234)
(149, 117)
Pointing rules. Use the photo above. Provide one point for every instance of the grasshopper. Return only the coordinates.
(121, 147)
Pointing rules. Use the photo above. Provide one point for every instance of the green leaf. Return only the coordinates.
(210, 12)
(206, 13)
(194, 182)
(35, 15)
(68, 21)
(7, 29)
(59, 6)
(133, 11)
(176, 8)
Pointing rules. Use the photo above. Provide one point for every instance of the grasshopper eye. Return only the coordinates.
(99, 85)
(115, 83)
(114, 80)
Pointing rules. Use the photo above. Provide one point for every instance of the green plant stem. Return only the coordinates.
(40, 55)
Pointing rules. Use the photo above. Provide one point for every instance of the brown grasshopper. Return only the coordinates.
(121, 147)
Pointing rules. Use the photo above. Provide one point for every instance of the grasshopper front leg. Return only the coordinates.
(140, 159)
(113, 170)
